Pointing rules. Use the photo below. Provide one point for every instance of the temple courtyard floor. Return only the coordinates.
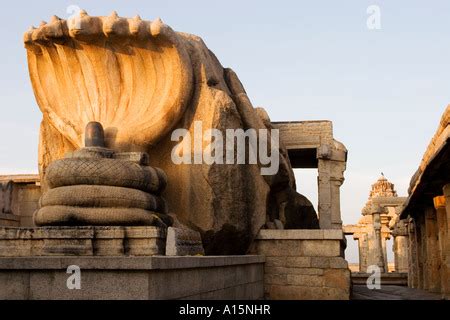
(392, 292)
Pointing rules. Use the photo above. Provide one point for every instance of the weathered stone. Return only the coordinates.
(289, 270)
(141, 158)
(305, 280)
(133, 278)
(103, 197)
(108, 241)
(6, 196)
(280, 292)
(298, 262)
(91, 187)
(337, 278)
(427, 225)
(321, 248)
(143, 241)
(104, 172)
(82, 241)
(73, 216)
(91, 153)
(190, 85)
(301, 267)
(280, 248)
(338, 263)
(330, 234)
(183, 242)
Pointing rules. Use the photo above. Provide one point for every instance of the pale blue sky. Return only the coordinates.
(385, 90)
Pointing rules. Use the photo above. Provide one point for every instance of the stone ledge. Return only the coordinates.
(133, 278)
(391, 278)
(82, 241)
(9, 216)
(183, 242)
(297, 292)
(80, 232)
(327, 234)
(126, 263)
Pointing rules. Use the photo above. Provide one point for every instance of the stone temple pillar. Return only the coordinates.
(432, 259)
(331, 167)
(363, 250)
(377, 243)
(446, 190)
(400, 234)
(385, 236)
(441, 215)
(421, 248)
(413, 276)
(324, 191)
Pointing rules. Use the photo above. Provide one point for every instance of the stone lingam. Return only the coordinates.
(141, 80)
(97, 186)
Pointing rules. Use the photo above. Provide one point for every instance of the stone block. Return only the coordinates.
(267, 234)
(298, 262)
(19, 247)
(14, 285)
(338, 263)
(275, 261)
(333, 234)
(183, 242)
(144, 241)
(321, 248)
(305, 280)
(283, 248)
(95, 284)
(109, 241)
(141, 158)
(133, 278)
(283, 270)
(320, 262)
(82, 241)
(329, 262)
(67, 247)
(279, 292)
(337, 278)
(278, 279)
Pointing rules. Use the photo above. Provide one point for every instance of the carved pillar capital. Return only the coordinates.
(439, 202)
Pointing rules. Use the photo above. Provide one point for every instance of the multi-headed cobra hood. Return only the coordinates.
(133, 76)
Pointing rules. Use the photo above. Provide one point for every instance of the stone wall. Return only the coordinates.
(19, 198)
(137, 278)
(128, 263)
(305, 133)
(310, 144)
(304, 264)
(82, 241)
(426, 215)
(25, 202)
(428, 243)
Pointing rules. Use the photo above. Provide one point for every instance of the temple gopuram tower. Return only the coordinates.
(373, 229)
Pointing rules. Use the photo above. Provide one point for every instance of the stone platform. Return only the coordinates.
(82, 241)
(391, 278)
(304, 264)
(136, 278)
(392, 292)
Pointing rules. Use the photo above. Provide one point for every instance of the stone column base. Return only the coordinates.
(82, 241)
(304, 264)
